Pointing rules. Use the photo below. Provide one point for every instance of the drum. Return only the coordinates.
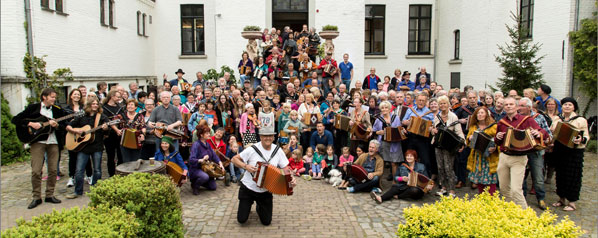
(419, 126)
(341, 122)
(447, 140)
(480, 141)
(129, 139)
(360, 132)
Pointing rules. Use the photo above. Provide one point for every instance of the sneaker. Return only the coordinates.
(377, 190)
(72, 195)
(89, 179)
(70, 183)
(542, 204)
(220, 178)
(452, 195)
(441, 192)
(44, 178)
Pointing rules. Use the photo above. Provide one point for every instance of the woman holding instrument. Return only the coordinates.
(248, 126)
(75, 104)
(201, 152)
(549, 155)
(168, 153)
(390, 151)
(444, 158)
(308, 107)
(359, 117)
(400, 188)
(569, 168)
(245, 67)
(133, 122)
(111, 109)
(482, 165)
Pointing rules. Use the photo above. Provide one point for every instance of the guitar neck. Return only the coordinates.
(60, 119)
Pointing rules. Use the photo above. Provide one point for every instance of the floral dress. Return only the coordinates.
(483, 165)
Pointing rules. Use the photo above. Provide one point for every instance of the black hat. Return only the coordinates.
(179, 71)
(406, 73)
(545, 88)
(571, 100)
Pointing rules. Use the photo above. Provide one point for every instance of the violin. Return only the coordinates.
(253, 118)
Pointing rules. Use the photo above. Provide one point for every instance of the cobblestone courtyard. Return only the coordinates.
(315, 210)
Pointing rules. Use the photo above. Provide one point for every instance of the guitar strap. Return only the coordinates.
(95, 124)
(261, 155)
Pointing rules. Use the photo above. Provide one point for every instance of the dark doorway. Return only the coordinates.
(293, 13)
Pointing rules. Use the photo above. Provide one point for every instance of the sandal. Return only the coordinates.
(569, 208)
(558, 204)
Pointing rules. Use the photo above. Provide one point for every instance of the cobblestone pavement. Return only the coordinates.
(315, 210)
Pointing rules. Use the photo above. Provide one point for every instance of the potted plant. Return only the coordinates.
(251, 32)
(329, 32)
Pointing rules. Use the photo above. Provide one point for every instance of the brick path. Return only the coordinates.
(315, 210)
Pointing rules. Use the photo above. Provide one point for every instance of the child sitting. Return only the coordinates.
(316, 166)
(346, 157)
(296, 163)
(307, 160)
(331, 161)
(231, 151)
(295, 123)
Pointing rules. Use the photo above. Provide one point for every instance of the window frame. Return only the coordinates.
(457, 52)
(418, 30)
(139, 23)
(103, 12)
(45, 4)
(61, 2)
(111, 13)
(370, 20)
(527, 23)
(194, 40)
(144, 16)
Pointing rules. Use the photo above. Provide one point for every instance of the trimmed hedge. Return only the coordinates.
(482, 216)
(100, 221)
(153, 198)
(12, 148)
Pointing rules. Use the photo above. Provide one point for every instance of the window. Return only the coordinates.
(420, 25)
(374, 29)
(45, 3)
(111, 13)
(102, 12)
(527, 16)
(457, 43)
(138, 23)
(59, 6)
(455, 79)
(144, 24)
(192, 29)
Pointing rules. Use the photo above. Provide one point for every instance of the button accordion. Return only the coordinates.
(356, 171)
(447, 139)
(393, 134)
(419, 126)
(311, 119)
(480, 141)
(521, 142)
(341, 122)
(175, 172)
(565, 133)
(329, 69)
(360, 132)
(273, 179)
(130, 139)
(419, 181)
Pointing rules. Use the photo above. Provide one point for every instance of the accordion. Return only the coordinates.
(311, 119)
(419, 181)
(341, 122)
(273, 179)
(129, 139)
(175, 172)
(393, 134)
(565, 133)
(447, 140)
(245, 70)
(212, 169)
(329, 69)
(356, 171)
(419, 126)
(521, 142)
(186, 87)
(480, 141)
(360, 132)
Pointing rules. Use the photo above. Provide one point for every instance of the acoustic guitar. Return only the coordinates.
(27, 134)
(76, 142)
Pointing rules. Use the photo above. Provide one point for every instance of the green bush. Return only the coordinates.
(252, 28)
(591, 147)
(482, 216)
(12, 148)
(153, 198)
(100, 221)
(329, 28)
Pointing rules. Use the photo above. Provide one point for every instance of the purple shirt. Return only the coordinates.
(198, 151)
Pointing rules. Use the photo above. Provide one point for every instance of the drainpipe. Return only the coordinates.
(575, 27)
(435, 41)
(30, 37)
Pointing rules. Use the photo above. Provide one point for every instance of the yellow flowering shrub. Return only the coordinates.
(483, 216)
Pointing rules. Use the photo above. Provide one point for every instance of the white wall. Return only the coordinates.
(14, 39)
(349, 16)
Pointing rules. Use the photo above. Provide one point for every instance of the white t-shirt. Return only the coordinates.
(249, 156)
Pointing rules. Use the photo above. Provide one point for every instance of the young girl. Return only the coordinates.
(346, 157)
(307, 161)
(168, 152)
(330, 161)
(282, 122)
(232, 150)
(296, 163)
(294, 123)
(316, 166)
(292, 146)
(211, 114)
(248, 126)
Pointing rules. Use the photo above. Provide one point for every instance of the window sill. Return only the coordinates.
(376, 57)
(47, 9)
(193, 56)
(455, 61)
(62, 13)
(113, 27)
(430, 56)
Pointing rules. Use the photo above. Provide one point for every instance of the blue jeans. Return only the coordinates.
(368, 185)
(347, 82)
(316, 168)
(235, 171)
(130, 154)
(535, 163)
(82, 159)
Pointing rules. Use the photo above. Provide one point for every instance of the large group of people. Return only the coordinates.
(286, 111)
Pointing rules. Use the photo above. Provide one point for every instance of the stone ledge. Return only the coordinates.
(376, 56)
(419, 56)
(455, 61)
(193, 56)
(20, 79)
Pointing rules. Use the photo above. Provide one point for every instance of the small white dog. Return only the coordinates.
(335, 177)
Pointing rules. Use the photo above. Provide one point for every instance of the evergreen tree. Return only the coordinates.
(12, 148)
(519, 60)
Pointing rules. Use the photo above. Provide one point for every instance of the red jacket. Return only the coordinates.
(296, 165)
(217, 145)
(324, 63)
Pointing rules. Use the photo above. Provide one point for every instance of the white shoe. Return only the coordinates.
(441, 192)
(89, 180)
(70, 183)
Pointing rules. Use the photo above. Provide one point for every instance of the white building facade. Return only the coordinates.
(118, 41)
